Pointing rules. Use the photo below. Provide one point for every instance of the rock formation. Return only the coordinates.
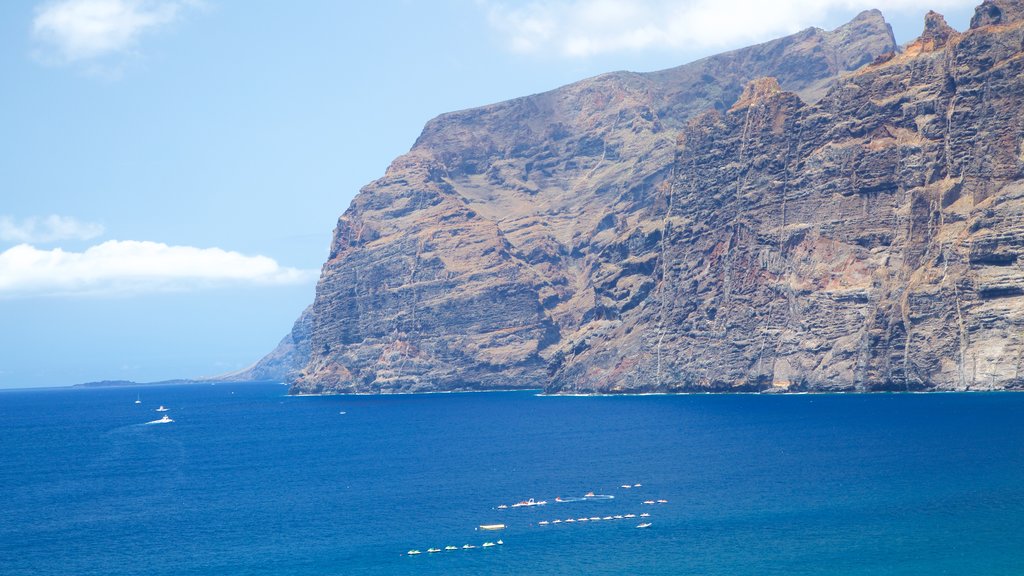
(820, 212)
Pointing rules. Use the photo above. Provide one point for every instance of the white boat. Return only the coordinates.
(499, 542)
(618, 516)
(649, 502)
(413, 552)
(645, 515)
(161, 408)
(165, 420)
(627, 486)
(543, 523)
(606, 518)
(451, 547)
(468, 546)
(492, 526)
(433, 550)
(644, 525)
(662, 501)
(488, 544)
(630, 516)
(137, 399)
(570, 519)
(636, 485)
(502, 506)
(530, 502)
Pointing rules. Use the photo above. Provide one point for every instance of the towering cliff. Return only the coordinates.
(824, 211)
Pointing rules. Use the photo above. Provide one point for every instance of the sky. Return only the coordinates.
(171, 170)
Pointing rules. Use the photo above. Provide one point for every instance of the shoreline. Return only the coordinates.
(540, 394)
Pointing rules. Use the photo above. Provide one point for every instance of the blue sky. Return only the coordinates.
(171, 170)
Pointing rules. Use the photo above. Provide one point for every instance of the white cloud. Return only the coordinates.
(52, 228)
(582, 28)
(132, 267)
(78, 30)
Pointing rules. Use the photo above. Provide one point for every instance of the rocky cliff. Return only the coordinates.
(821, 212)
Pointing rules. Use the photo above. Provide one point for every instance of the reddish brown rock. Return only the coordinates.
(675, 231)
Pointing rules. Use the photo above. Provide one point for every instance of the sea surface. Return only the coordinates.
(247, 480)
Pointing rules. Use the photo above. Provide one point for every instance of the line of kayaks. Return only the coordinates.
(451, 548)
(593, 519)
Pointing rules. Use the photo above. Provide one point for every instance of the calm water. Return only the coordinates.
(249, 481)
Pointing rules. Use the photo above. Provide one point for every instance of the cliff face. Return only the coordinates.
(869, 241)
(711, 227)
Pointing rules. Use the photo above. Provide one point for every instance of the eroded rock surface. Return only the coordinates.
(821, 212)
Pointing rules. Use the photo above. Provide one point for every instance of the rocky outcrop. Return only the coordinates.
(805, 214)
(285, 362)
(866, 242)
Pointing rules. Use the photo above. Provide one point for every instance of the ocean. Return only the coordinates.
(247, 480)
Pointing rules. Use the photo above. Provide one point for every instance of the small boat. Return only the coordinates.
(502, 506)
(618, 516)
(499, 542)
(637, 485)
(488, 544)
(413, 552)
(588, 495)
(165, 420)
(557, 521)
(648, 501)
(543, 523)
(342, 412)
(627, 486)
(468, 546)
(433, 550)
(492, 526)
(161, 408)
(644, 525)
(530, 502)
(583, 519)
(662, 501)
(138, 400)
(606, 518)
(645, 515)
(630, 516)
(451, 547)
(594, 519)
(570, 519)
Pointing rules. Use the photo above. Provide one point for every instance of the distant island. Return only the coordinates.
(823, 212)
(116, 383)
(173, 382)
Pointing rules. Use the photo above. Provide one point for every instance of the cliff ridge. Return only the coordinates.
(826, 211)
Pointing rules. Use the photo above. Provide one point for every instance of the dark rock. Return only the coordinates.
(776, 218)
(994, 12)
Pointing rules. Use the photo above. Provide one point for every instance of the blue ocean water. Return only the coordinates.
(250, 481)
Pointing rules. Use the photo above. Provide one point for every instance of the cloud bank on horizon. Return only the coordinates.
(126, 268)
(584, 28)
(78, 30)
